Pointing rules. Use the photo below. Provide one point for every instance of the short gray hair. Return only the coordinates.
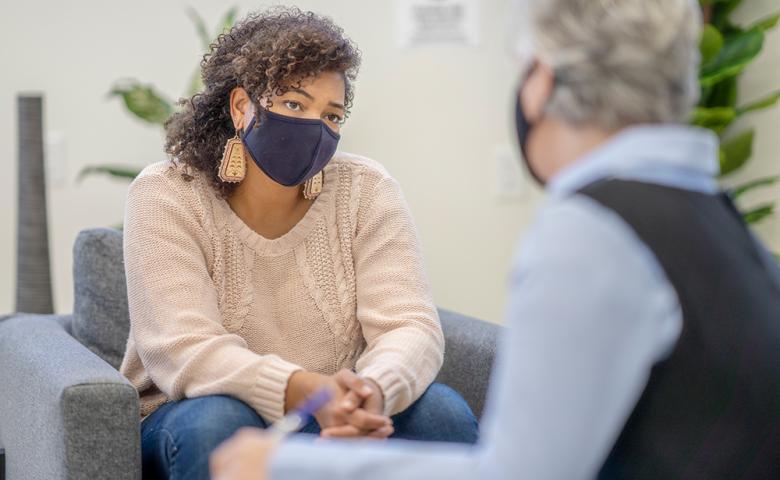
(618, 62)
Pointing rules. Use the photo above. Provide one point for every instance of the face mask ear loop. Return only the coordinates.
(259, 115)
(555, 84)
(245, 131)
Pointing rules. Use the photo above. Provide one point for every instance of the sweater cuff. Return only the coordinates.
(269, 390)
(395, 391)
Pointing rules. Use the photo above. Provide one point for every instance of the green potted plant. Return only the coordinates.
(727, 49)
(145, 103)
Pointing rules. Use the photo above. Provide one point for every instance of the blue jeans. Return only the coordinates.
(178, 437)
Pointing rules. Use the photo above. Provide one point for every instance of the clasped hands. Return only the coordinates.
(356, 409)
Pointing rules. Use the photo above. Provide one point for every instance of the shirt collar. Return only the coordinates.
(671, 155)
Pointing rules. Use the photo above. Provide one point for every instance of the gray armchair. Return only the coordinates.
(66, 412)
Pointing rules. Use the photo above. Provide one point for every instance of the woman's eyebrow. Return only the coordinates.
(310, 97)
(302, 92)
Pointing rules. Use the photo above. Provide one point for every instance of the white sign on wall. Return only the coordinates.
(432, 22)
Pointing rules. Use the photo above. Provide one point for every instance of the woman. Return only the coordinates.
(262, 266)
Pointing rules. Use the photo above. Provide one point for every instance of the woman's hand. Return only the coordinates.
(355, 409)
(304, 384)
(362, 405)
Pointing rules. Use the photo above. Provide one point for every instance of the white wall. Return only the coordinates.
(433, 116)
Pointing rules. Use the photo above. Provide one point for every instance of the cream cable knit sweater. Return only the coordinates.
(216, 308)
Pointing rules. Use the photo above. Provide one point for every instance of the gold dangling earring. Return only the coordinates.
(313, 187)
(232, 168)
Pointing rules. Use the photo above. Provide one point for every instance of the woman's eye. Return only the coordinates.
(335, 118)
(294, 106)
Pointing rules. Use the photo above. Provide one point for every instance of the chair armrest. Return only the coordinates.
(470, 345)
(64, 412)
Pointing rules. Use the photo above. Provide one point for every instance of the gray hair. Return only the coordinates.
(618, 62)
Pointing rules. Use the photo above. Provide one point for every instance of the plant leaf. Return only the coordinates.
(200, 28)
(196, 82)
(711, 43)
(761, 104)
(736, 151)
(737, 192)
(722, 10)
(143, 101)
(716, 118)
(756, 215)
(738, 50)
(767, 23)
(722, 94)
(113, 171)
(228, 20)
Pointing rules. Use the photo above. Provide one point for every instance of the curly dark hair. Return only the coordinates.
(269, 52)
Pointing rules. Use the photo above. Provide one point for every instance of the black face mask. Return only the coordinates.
(524, 128)
(290, 150)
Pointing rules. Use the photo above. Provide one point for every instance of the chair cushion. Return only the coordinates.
(100, 317)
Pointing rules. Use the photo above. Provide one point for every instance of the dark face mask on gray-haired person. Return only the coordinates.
(523, 128)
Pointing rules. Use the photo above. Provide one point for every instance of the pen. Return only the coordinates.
(299, 417)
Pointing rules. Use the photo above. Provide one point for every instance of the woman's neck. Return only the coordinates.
(267, 207)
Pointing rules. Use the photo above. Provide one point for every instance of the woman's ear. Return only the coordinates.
(241, 108)
(537, 91)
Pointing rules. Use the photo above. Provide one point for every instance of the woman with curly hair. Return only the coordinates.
(263, 266)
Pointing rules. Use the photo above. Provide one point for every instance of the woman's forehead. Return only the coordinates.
(331, 84)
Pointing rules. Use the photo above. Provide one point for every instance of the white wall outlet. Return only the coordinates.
(55, 156)
(511, 181)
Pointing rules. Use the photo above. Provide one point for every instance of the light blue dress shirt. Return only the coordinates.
(590, 312)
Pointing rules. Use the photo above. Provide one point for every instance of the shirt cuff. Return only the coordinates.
(269, 391)
(396, 392)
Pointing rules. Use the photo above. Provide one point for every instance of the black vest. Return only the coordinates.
(711, 410)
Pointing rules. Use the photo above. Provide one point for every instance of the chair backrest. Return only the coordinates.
(100, 317)
(468, 356)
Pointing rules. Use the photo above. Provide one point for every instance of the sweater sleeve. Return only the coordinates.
(174, 315)
(405, 344)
